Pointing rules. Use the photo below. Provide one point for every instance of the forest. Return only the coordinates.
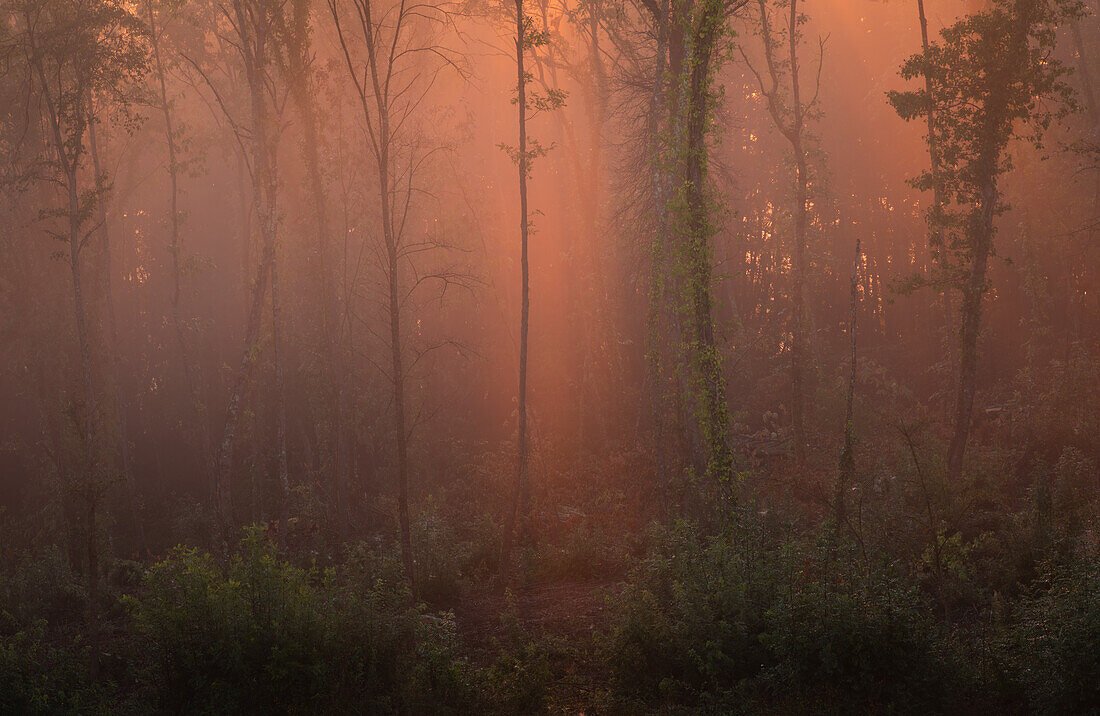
(549, 356)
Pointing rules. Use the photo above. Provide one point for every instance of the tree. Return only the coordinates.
(157, 16)
(527, 38)
(683, 346)
(935, 222)
(255, 27)
(73, 50)
(114, 347)
(790, 112)
(996, 80)
(296, 64)
(393, 59)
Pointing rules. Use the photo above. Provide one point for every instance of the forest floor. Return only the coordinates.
(565, 616)
(570, 609)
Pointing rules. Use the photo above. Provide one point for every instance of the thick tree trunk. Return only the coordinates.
(710, 383)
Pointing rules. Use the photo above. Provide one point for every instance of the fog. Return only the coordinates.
(261, 263)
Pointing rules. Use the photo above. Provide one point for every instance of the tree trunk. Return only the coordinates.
(710, 383)
(522, 498)
(935, 234)
(300, 72)
(192, 380)
(329, 314)
(115, 352)
(798, 331)
(658, 252)
(971, 312)
(846, 471)
(280, 406)
(253, 42)
(393, 256)
(798, 306)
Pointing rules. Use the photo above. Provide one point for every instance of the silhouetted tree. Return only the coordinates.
(996, 80)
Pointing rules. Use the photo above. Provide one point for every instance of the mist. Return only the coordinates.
(601, 356)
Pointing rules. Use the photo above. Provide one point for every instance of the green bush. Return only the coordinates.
(518, 679)
(689, 619)
(262, 635)
(1054, 646)
(737, 618)
(855, 636)
(37, 677)
(442, 559)
(42, 586)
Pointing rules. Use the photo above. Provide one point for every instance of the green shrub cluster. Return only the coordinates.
(1053, 647)
(745, 621)
(258, 634)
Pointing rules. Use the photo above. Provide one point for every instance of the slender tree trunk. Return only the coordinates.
(970, 328)
(280, 405)
(791, 123)
(798, 331)
(393, 256)
(300, 72)
(264, 184)
(87, 422)
(658, 253)
(522, 499)
(935, 234)
(798, 307)
(382, 139)
(116, 359)
(191, 377)
(846, 471)
(329, 311)
(396, 358)
(89, 427)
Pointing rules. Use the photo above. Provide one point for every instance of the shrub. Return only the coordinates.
(734, 618)
(689, 619)
(42, 586)
(518, 680)
(262, 635)
(39, 678)
(1054, 646)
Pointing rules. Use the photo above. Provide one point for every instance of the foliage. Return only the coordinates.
(715, 620)
(40, 587)
(37, 677)
(262, 634)
(518, 678)
(993, 78)
(1055, 646)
